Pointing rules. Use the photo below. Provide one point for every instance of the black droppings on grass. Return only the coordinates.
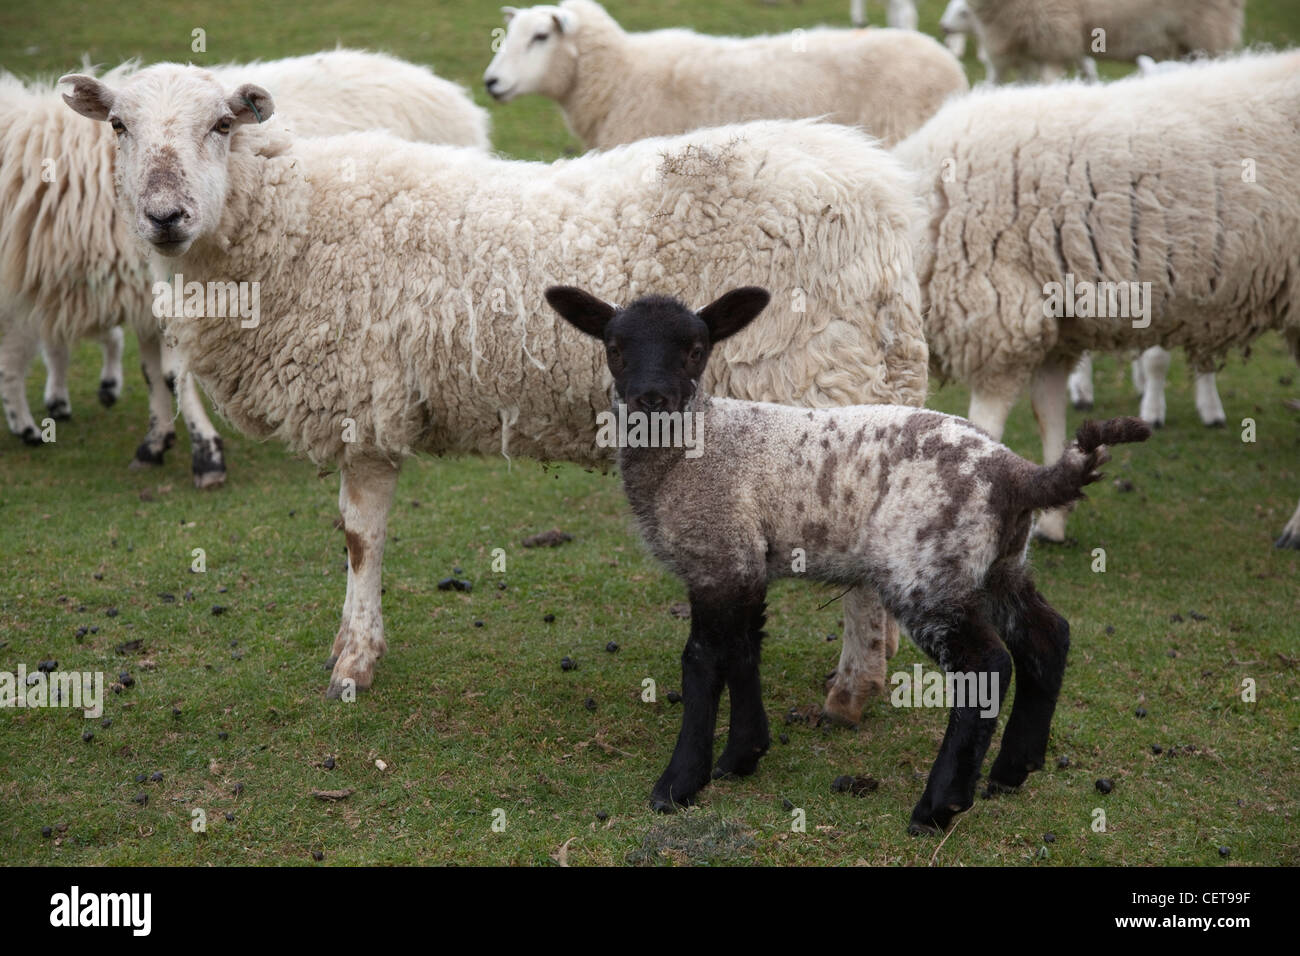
(141, 778)
(567, 664)
(141, 798)
(106, 722)
(218, 610)
(176, 712)
(1105, 785)
(673, 697)
(47, 832)
(46, 667)
(832, 637)
(88, 736)
(787, 805)
(81, 631)
(602, 816)
(547, 539)
(1123, 485)
(112, 612)
(1157, 749)
(455, 584)
(222, 735)
(230, 817)
(457, 571)
(1140, 713)
(129, 646)
(328, 763)
(156, 776)
(317, 855)
(237, 789)
(478, 623)
(1171, 653)
(612, 647)
(501, 585)
(1110, 629)
(189, 595)
(98, 575)
(1197, 617)
(1175, 618)
(784, 738)
(166, 598)
(94, 629)
(1062, 763)
(125, 679)
(548, 618)
(223, 589)
(590, 704)
(1049, 837)
(1225, 852)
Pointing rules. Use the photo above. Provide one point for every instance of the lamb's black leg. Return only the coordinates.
(715, 627)
(1039, 639)
(748, 738)
(972, 647)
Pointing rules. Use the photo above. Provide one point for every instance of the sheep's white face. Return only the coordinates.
(173, 127)
(536, 55)
(958, 18)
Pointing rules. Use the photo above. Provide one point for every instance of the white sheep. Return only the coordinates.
(1154, 210)
(899, 14)
(1151, 368)
(1041, 39)
(72, 282)
(958, 23)
(616, 87)
(923, 507)
(400, 306)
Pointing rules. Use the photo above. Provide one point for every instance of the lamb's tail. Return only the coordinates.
(1053, 486)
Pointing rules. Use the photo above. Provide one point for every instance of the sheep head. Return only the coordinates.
(537, 54)
(173, 126)
(657, 348)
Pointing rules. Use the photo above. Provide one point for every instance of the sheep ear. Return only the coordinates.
(509, 13)
(735, 310)
(581, 309)
(89, 97)
(566, 21)
(251, 104)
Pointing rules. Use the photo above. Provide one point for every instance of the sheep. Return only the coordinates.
(1043, 38)
(922, 507)
(615, 87)
(398, 306)
(957, 23)
(1152, 366)
(1164, 207)
(900, 14)
(75, 282)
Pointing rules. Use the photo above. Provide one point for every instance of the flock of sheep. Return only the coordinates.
(995, 236)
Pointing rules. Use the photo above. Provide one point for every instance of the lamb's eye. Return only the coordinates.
(697, 353)
(538, 38)
(613, 352)
(222, 127)
(118, 126)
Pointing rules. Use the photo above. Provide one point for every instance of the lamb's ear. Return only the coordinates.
(89, 97)
(566, 21)
(581, 309)
(251, 104)
(509, 13)
(735, 310)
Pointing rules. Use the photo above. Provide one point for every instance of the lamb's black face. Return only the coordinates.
(657, 348)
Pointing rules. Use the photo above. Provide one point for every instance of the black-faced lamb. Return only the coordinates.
(925, 508)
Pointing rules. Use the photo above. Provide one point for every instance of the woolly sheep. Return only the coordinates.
(1151, 368)
(616, 87)
(924, 508)
(1183, 189)
(900, 14)
(74, 280)
(1044, 38)
(957, 23)
(400, 305)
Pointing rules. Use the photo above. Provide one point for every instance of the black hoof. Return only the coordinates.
(1083, 406)
(1219, 423)
(146, 456)
(108, 393)
(1288, 540)
(923, 829)
(666, 805)
(31, 436)
(59, 410)
(739, 765)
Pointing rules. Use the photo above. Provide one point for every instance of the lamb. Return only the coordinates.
(1161, 210)
(957, 23)
(924, 508)
(72, 282)
(1043, 38)
(900, 14)
(616, 87)
(398, 306)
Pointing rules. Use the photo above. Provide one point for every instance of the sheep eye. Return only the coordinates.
(118, 126)
(697, 353)
(222, 127)
(538, 38)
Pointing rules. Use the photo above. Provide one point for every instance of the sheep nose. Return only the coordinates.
(167, 219)
(491, 83)
(650, 401)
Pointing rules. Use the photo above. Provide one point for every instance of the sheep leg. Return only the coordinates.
(1047, 392)
(1039, 639)
(19, 342)
(956, 44)
(113, 344)
(56, 356)
(207, 459)
(1080, 384)
(858, 12)
(1155, 373)
(861, 674)
(161, 435)
(1290, 537)
(365, 495)
(748, 737)
(972, 648)
(717, 624)
(1208, 404)
(989, 408)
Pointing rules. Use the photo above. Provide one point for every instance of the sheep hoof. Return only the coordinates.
(108, 392)
(147, 457)
(739, 765)
(1289, 539)
(59, 410)
(338, 685)
(331, 661)
(1217, 423)
(31, 436)
(209, 479)
(1083, 405)
(923, 829)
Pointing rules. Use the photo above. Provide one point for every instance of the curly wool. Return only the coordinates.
(69, 260)
(628, 86)
(1144, 180)
(409, 298)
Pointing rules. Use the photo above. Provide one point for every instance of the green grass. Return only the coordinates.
(469, 719)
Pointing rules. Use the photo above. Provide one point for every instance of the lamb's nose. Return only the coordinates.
(491, 83)
(167, 219)
(651, 401)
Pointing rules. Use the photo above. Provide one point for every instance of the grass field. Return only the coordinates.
(469, 719)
